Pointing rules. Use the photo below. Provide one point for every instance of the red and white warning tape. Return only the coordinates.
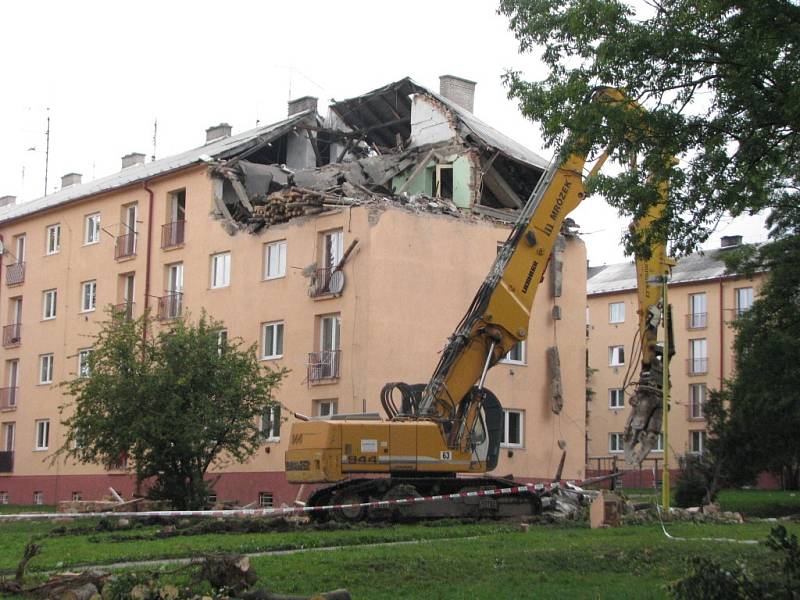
(294, 510)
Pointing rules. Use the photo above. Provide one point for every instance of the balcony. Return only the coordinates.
(324, 365)
(697, 320)
(12, 335)
(697, 366)
(15, 273)
(125, 246)
(325, 282)
(124, 310)
(173, 234)
(170, 306)
(7, 462)
(8, 398)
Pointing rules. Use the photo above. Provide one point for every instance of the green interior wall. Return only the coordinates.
(423, 182)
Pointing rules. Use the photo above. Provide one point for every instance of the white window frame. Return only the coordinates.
(9, 436)
(4, 498)
(91, 232)
(700, 404)
(266, 499)
(616, 398)
(659, 447)
(616, 312)
(505, 443)
(615, 443)
(739, 293)
(275, 256)
(77, 496)
(89, 296)
(83, 362)
(38, 498)
(222, 340)
(520, 350)
(332, 248)
(332, 405)
(53, 239)
(46, 362)
(42, 439)
(49, 300)
(701, 438)
(274, 352)
(220, 270)
(274, 419)
(614, 355)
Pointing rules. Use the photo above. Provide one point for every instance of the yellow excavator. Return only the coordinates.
(453, 425)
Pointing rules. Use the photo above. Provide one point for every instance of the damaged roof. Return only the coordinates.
(216, 149)
(385, 112)
(618, 277)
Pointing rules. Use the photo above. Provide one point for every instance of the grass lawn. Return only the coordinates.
(751, 503)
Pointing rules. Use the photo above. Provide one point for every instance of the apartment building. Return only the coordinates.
(399, 199)
(705, 301)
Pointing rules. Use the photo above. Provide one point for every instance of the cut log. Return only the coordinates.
(84, 592)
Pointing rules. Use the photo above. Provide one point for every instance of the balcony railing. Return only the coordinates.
(170, 306)
(15, 273)
(125, 246)
(321, 282)
(12, 335)
(697, 366)
(8, 398)
(124, 310)
(697, 320)
(172, 234)
(7, 462)
(323, 365)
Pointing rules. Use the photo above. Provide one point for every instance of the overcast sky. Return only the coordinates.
(107, 70)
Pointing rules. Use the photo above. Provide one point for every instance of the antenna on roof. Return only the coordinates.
(47, 151)
(155, 137)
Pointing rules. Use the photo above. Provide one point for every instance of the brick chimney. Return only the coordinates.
(132, 159)
(729, 241)
(70, 179)
(458, 90)
(298, 105)
(216, 132)
(7, 200)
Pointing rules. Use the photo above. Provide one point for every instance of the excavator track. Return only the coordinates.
(356, 491)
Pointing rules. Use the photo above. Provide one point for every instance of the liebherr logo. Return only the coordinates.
(562, 195)
(529, 278)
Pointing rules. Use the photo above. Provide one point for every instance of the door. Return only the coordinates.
(178, 208)
(334, 249)
(128, 289)
(330, 331)
(129, 226)
(20, 248)
(175, 289)
(699, 310)
(16, 311)
(8, 437)
(699, 356)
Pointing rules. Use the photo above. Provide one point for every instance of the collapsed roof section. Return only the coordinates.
(399, 141)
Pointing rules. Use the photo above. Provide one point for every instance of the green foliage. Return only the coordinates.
(172, 402)
(718, 80)
(694, 486)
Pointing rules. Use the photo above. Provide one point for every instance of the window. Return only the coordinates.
(12, 381)
(615, 445)
(83, 362)
(698, 356)
(265, 499)
(221, 270)
(616, 398)
(53, 239)
(20, 246)
(91, 233)
(271, 423)
(697, 400)
(697, 441)
(272, 340)
(9, 436)
(616, 312)
(222, 341)
(77, 496)
(698, 315)
(275, 260)
(88, 296)
(42, 434)
(513, 425)
(516, 355)
(616, 356)
(38, 497)
(659, 447)
(744, 300)
(333, 248)
(326, 408)
(4, 497)
(49, 299)
(46, 368)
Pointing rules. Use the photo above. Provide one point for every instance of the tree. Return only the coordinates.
(755, 419)
(719, 82)
(173, 403)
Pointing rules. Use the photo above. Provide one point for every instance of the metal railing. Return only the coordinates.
(170, 306)
(697, 366)
(12, 335)
(323, 365)
(173, 234)
(8, 397)
(15, 273)
(125, 246)
(645, 475)
(697, 320)
(321, 282)
(7, 461)
(124, 309)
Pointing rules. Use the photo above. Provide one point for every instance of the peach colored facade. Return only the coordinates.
(407, 284)
(702, 310)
